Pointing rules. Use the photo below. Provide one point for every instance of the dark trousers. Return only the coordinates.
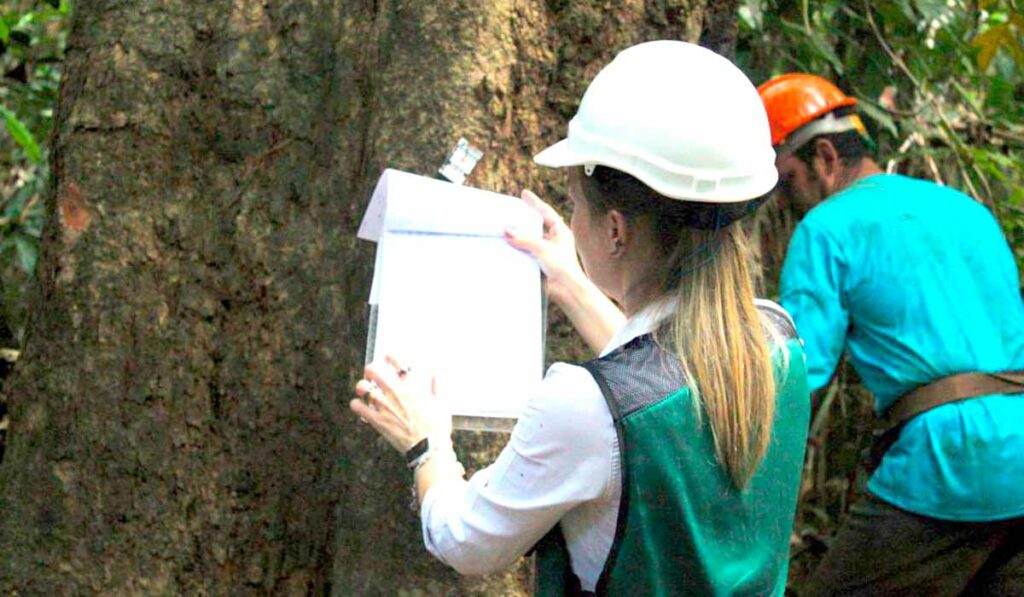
(883, 550)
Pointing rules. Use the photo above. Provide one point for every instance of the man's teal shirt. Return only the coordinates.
(916, 281)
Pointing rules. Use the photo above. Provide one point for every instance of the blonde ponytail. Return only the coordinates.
(717, 332)
(719, 337)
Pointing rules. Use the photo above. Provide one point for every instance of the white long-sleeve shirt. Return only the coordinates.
(561, 464)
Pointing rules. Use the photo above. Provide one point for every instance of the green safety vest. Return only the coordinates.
(683, 528)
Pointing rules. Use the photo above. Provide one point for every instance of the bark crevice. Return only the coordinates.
(179, 419)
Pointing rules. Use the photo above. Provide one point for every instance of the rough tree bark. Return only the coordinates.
(721, 27)
(179, 419)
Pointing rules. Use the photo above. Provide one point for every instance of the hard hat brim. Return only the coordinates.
(561, 155)
(557, 156)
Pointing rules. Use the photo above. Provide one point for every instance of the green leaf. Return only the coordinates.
(1002, 99)
(5, 32)
(825, 50)
(33, 227)
(820, 47)
(988, 43)
(751, 16)
(930, 9)
(1015, 45)
(1004, 35)
(895, 12)
(879, 115)
(25, 20)
(27, 253)
(22, 136)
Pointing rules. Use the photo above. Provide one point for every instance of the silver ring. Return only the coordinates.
(373, 388)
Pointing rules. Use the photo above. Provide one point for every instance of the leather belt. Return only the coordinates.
(953, 388)
(945, 390)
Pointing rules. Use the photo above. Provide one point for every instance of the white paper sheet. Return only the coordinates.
(452, 296)
(403, 201)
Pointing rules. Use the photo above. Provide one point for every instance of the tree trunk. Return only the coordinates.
(721, 27)
(179, 417)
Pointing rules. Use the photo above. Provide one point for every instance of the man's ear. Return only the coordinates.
(616, 232)
(827, 164)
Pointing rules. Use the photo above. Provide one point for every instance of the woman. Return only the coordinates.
(669, 464)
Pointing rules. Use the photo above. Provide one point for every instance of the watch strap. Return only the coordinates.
(417, 453)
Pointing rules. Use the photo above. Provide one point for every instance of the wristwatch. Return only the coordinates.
(423, 451)
(418, 454)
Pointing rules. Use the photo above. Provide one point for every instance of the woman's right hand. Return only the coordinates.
(593, 314)
(555, 250)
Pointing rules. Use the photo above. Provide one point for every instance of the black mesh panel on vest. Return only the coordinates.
(632, 377)
(641, 373)
(638, 374)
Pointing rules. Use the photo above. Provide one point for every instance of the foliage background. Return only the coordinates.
(33, 36)
(32, 40)
(939, 80)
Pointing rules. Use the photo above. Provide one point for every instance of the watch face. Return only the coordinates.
(418, 450)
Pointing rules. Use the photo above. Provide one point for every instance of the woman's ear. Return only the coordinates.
(616, 232)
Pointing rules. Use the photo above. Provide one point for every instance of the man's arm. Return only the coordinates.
(812, 292)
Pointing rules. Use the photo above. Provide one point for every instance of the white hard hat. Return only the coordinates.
(680, 118)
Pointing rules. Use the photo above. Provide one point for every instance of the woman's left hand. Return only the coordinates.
(400, 405)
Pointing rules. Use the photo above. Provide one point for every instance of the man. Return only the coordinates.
(916, 283)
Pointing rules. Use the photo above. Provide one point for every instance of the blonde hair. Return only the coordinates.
(720, 338)
(723, 345)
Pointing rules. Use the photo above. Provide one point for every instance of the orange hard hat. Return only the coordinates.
(796, 99)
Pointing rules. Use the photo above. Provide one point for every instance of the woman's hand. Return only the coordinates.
(400, 406)
(555, 250)
(591, 312)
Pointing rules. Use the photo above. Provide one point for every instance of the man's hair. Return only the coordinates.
(850, 145)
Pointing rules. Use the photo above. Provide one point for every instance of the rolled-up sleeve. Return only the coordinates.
(559, 455)
(811, 290)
